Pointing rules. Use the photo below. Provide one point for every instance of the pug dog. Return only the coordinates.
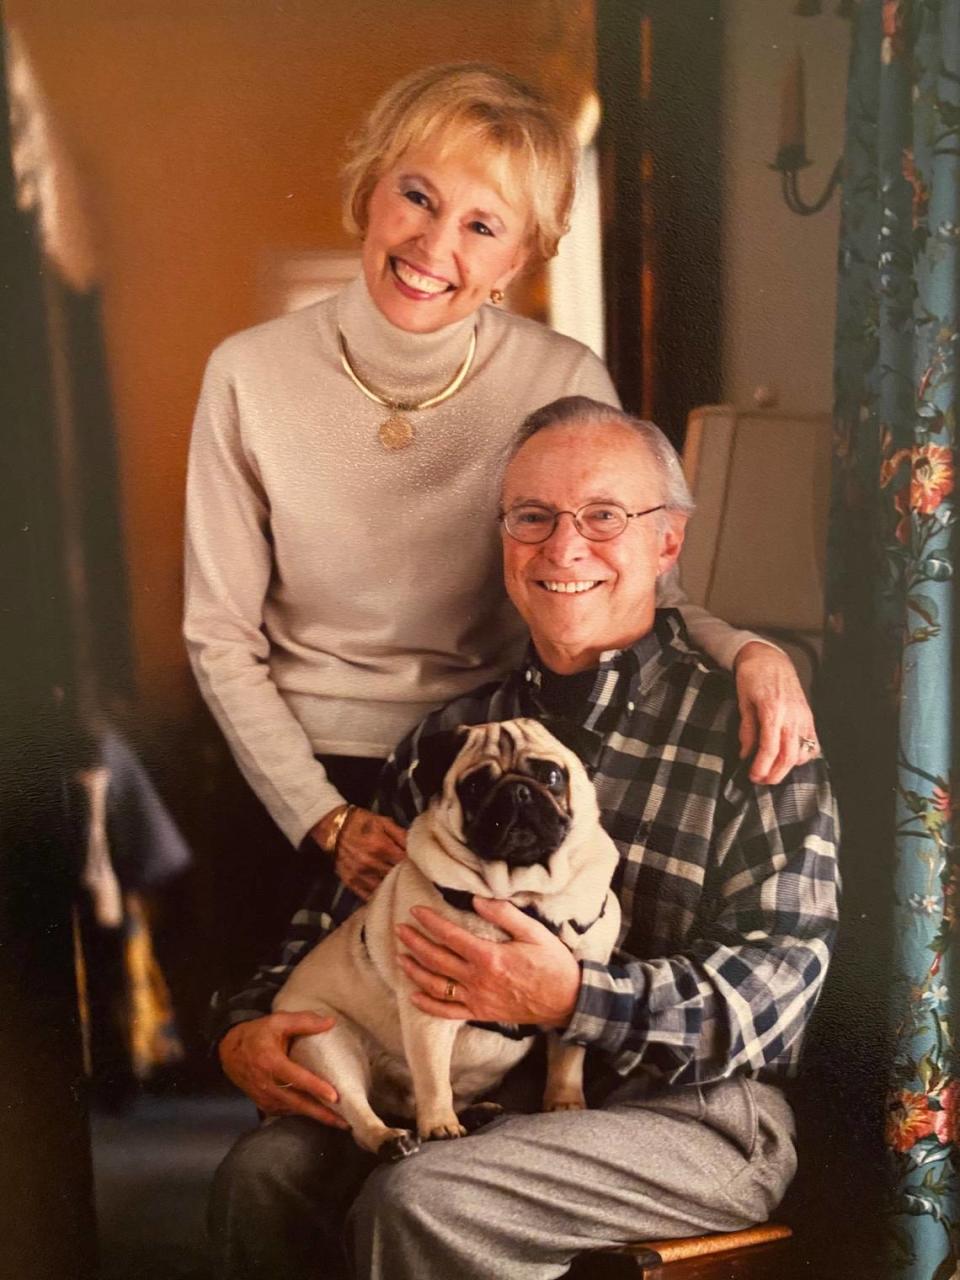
(515, 817)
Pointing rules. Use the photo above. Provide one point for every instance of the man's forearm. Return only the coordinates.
(738, 996)
(686, 1018)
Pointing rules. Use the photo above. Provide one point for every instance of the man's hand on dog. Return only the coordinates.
(529, 978)
(254, 1055)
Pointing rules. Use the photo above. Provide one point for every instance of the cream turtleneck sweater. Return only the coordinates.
(337, 592)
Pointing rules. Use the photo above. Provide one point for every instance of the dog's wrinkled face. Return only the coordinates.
(515, 806)
(509, 802)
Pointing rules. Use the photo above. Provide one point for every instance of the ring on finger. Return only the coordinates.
(283, 1084)
(809, 744)
(450, 990)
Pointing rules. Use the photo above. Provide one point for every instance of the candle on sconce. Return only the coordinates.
(792, 142)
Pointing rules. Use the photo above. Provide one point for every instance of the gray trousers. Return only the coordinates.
(517, 1201)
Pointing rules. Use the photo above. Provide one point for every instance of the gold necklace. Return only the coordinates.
(396, 432)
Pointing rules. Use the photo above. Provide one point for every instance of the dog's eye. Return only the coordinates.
(549, 774)
(472, 789)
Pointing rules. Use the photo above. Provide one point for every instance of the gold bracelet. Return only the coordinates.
(336, 826)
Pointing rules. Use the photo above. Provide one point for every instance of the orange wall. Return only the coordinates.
(207, 131)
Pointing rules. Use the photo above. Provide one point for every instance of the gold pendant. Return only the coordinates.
(396, 432)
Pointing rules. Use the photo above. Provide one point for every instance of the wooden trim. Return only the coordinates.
(653, 1253)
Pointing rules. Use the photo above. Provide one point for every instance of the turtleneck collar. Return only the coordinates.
(401, 365)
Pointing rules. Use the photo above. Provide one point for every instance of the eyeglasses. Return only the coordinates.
(598, 521)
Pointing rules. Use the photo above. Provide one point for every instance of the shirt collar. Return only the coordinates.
(623, 676)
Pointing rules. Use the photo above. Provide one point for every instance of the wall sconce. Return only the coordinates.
(792, 144)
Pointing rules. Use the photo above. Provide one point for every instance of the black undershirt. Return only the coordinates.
(567, 696)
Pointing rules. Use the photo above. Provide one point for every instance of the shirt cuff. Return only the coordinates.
(221, 1018)
(740, 639)
(604, 1009)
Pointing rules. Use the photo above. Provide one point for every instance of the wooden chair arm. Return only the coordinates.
(655, 1253)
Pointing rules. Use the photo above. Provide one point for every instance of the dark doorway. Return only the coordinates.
(659, 79)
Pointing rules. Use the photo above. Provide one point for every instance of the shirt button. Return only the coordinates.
(631, 706)
(529, 674)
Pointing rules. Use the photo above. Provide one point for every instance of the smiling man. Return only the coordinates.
(582, 575)
(729, 897)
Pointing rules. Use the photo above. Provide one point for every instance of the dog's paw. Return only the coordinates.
(478, 1114)
(400, 1144)
(441, 1132)
(565, 1102)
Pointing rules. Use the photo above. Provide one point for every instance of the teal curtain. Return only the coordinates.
(892, 655)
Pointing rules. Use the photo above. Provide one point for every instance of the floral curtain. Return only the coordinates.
(892, 659)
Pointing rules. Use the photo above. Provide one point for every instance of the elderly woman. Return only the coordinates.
(342, 564)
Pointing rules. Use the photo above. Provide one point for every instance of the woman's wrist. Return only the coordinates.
(756, 647)
(327, 831)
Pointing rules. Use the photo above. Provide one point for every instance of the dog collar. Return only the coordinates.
(512, 1030)
(461, 900)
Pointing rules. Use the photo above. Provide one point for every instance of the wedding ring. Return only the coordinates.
(283, 1084)
(450, 990)
(809, 744)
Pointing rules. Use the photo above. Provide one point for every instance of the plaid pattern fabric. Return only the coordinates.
(729, 890)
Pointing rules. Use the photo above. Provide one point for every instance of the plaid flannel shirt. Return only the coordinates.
(729, 890)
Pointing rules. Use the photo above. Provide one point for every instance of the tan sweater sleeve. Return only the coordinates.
(227, 572)
(593, 380)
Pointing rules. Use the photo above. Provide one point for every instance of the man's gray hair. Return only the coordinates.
(582, 411)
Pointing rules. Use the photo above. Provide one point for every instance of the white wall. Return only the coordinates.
(780, 268)
(575, 275)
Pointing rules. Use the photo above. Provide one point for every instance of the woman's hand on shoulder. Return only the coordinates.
(776, 721)
(255, 1056)
(368, 846)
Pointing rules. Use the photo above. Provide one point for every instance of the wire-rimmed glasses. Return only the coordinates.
(599, 521)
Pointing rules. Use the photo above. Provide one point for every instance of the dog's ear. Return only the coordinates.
(584, 743)
(435, 754)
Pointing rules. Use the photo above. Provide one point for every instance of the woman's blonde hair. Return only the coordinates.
(479, 111)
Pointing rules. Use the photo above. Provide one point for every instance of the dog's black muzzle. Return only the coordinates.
(517, 823)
